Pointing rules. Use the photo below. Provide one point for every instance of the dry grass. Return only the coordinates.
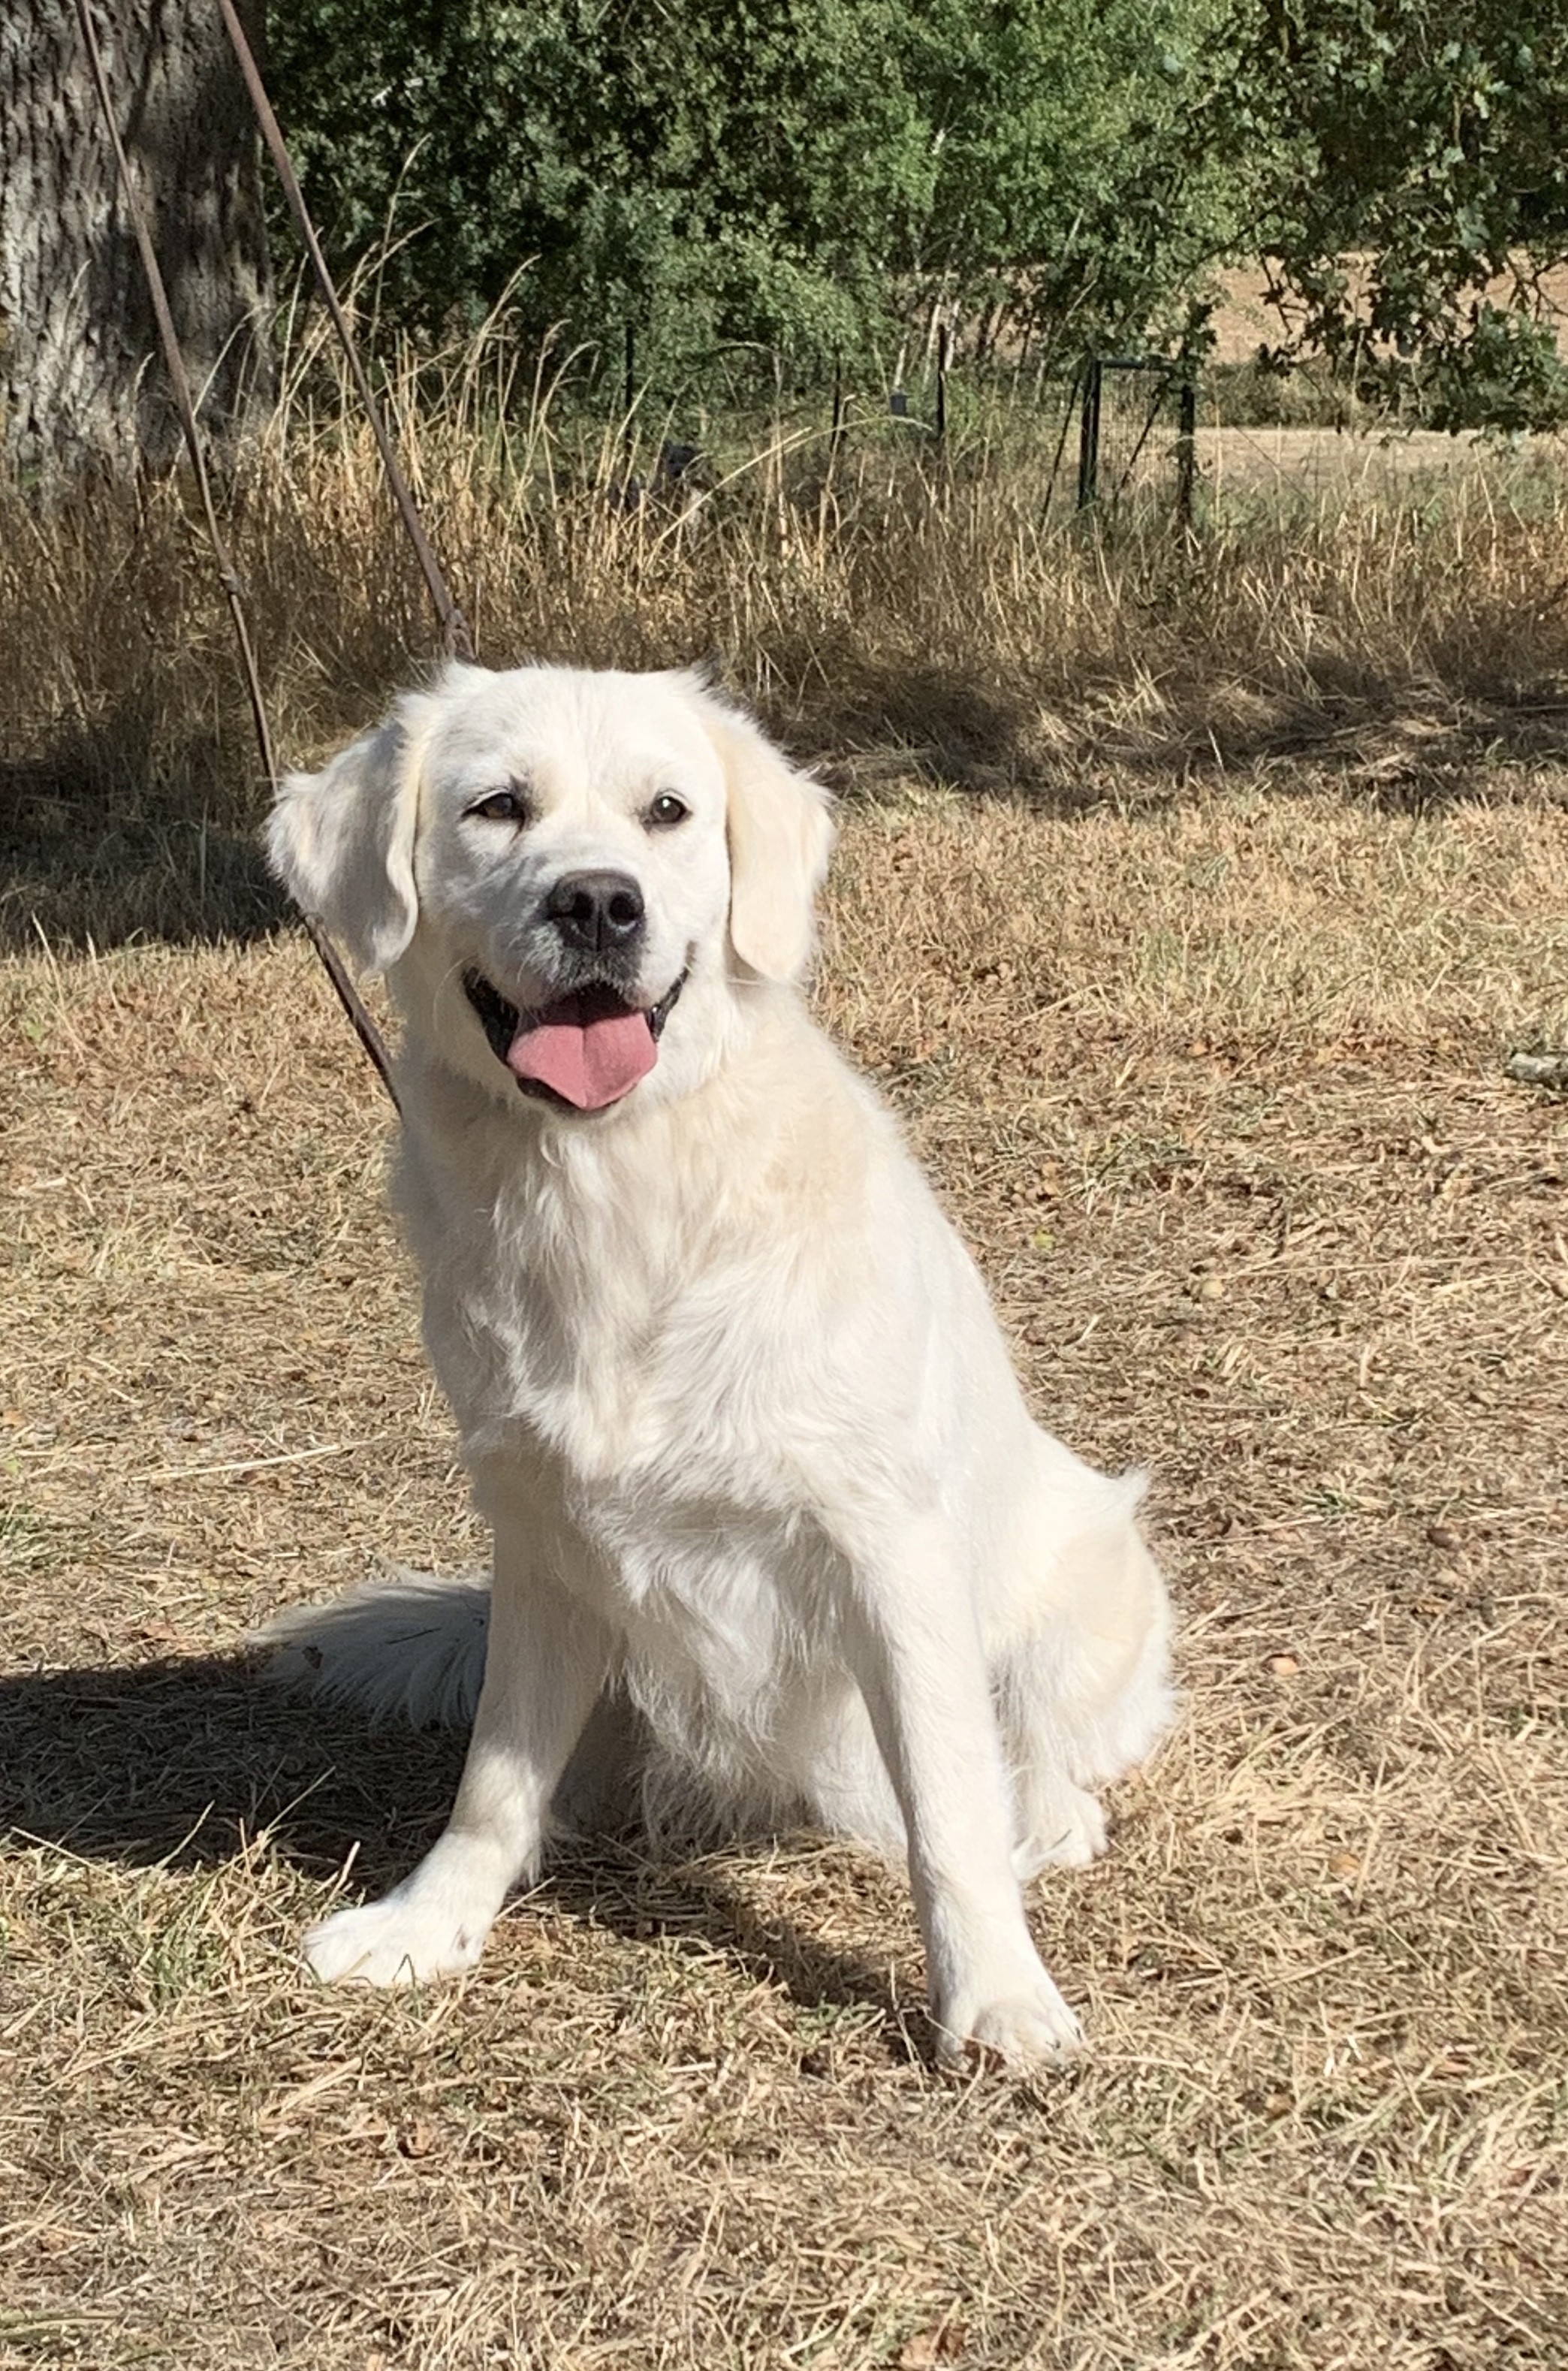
(1404, 629)
(1191, 902)
(1214, 1087)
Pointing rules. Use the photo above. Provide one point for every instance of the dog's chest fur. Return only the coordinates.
(637, 1366)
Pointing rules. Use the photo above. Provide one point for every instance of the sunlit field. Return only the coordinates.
(1191, 896)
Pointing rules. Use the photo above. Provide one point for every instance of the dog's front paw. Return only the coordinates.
(1019, 2030)
(398, 1941)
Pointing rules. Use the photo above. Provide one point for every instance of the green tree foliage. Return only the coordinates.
(801, 175)
(1078, 188)
(715, 166)
(806, 178)
(1408, 161)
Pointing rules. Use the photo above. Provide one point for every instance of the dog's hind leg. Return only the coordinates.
(599, 1792)
(831, 1752)
(545, 1662)
(1060, 1824)
(1086, 1699)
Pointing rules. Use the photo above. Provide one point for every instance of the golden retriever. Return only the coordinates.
(774, 1532)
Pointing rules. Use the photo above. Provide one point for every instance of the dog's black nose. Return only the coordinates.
(596, 910)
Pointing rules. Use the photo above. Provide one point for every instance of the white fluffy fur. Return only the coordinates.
(771, 1521)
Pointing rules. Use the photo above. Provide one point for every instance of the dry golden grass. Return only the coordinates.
(890, 618)
(1190, 900)
(1215, 1089)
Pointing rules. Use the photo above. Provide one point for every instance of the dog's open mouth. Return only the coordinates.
(584, 1051)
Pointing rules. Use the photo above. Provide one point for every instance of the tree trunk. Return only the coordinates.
(82, 378)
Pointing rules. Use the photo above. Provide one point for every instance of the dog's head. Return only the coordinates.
(547, 861)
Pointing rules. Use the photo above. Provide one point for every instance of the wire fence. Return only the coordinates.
(1138, 435)
(1116, 439)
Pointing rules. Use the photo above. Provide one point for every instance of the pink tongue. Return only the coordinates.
(588, 1059)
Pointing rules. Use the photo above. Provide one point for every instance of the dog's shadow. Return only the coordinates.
(184, 1764)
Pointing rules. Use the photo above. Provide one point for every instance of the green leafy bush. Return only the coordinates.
(806, 177)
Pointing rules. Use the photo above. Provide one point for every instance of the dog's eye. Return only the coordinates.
(502, 807)
(665, 811)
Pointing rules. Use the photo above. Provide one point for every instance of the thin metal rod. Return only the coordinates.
(1088, 434)
(454, 624)
(369, 1035)
(1155, 405)
(1067, 409)
(1186, 451)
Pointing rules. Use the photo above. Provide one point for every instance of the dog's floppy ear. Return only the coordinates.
(780, 837)
(342, 841)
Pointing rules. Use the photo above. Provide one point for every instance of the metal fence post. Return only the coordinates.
(1186, 451)
(944, 351)
(1088, 434)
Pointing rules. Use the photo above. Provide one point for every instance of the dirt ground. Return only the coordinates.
(1333, 465)
(1245, 319)
(1215, 1091)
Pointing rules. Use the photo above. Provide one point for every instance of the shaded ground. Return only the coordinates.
(1216, 1091)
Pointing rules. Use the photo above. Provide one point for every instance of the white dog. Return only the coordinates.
(772, 1524)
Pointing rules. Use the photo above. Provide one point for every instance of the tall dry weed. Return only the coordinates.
(882, 604)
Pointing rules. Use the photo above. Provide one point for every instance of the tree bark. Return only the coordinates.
(82, 379)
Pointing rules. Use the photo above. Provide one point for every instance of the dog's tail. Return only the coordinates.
(411, 1648)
